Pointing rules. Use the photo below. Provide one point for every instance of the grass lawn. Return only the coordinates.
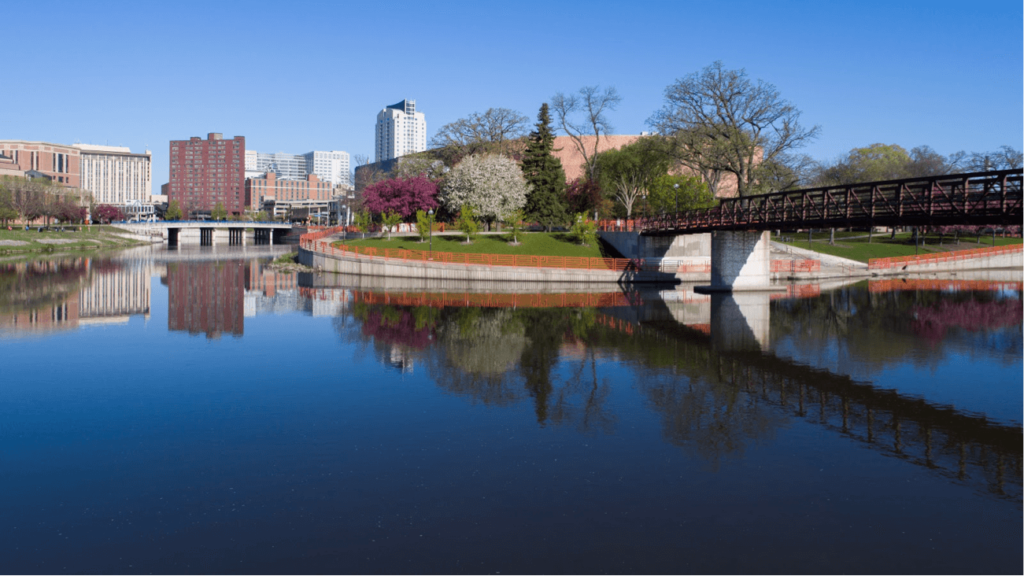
(855, 246)
(19, 240)
(530, 243)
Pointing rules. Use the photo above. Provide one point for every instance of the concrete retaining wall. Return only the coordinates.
(995, 262)
(366, 266)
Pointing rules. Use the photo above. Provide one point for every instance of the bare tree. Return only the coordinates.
(728, 123)
(582, 114)
(26, 198)
(1005, 158)
(367, 172)
(496, 125)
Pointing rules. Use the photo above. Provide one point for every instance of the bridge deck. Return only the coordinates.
(980, 198)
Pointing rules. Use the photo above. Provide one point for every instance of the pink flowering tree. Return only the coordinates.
(106, 213)
(401, 195)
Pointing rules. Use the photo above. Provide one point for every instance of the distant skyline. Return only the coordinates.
(315, 75)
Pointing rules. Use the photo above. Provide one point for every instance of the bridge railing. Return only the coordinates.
(979, 197)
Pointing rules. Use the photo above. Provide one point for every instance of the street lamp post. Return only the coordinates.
(431, 232)
(676, 186)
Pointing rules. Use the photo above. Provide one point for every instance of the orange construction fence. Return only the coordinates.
(480, 300)
(933, 284)
(796, 265)
(899, 261)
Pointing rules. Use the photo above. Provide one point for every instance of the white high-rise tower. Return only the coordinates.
(400, 130)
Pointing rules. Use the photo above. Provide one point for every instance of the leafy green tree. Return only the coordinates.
(423, 224)
(173, 211)
(467, 223)
(546, 202)
(7, 211)
(390, 220)
(627, 173)
(363, 219)
(219, 212)
(692, 194)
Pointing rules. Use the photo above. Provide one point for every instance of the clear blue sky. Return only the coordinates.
(299, 76)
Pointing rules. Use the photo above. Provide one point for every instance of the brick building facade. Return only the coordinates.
(270, 187)
(207, 172)
(61, 163)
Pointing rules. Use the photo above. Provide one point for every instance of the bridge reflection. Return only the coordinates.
(706, 364)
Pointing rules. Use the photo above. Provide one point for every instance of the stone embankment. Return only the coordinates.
(680, 262)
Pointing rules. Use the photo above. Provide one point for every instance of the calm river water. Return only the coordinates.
(184, 412)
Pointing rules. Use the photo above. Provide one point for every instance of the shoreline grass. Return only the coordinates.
(855, 246)
(530, 243)
(75, 238)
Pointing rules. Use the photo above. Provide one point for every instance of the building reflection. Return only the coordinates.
(206, 297)
(63, 294)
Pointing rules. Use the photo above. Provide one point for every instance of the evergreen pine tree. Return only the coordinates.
(546, 203)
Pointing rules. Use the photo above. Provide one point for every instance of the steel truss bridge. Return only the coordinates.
(979, 198)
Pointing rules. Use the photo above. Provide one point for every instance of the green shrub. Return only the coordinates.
(583, 231)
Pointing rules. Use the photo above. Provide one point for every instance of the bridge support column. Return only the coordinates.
(740, 261)
(740, 321)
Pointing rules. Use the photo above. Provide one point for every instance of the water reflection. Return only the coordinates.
(723, 373)
(209, 292)
(63, 294)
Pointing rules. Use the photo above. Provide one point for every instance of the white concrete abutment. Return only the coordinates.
(740, 261)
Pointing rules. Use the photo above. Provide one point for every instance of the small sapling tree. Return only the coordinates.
(390, 220)
(423, 223)
(515, 223)
(467, 222)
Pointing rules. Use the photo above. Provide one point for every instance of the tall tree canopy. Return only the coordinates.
(892, 161)
(723, 122)
(492, 184)
(496, 125)
(546, 202)
(627, 173)
(668, 191)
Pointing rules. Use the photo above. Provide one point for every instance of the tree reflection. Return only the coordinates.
(716, 403)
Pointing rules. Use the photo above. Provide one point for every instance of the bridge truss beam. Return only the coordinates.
(980, 198)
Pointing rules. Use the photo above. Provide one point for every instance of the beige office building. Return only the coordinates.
(114, 175)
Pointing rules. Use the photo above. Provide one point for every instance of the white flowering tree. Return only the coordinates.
(492, 184)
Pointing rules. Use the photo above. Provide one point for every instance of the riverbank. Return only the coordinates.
(72, 239)
(859, 247)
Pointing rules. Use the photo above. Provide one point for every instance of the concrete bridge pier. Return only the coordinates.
(264, 237)
(740, 261)
(740, 321)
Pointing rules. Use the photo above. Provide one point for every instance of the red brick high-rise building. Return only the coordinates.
(207, 172)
